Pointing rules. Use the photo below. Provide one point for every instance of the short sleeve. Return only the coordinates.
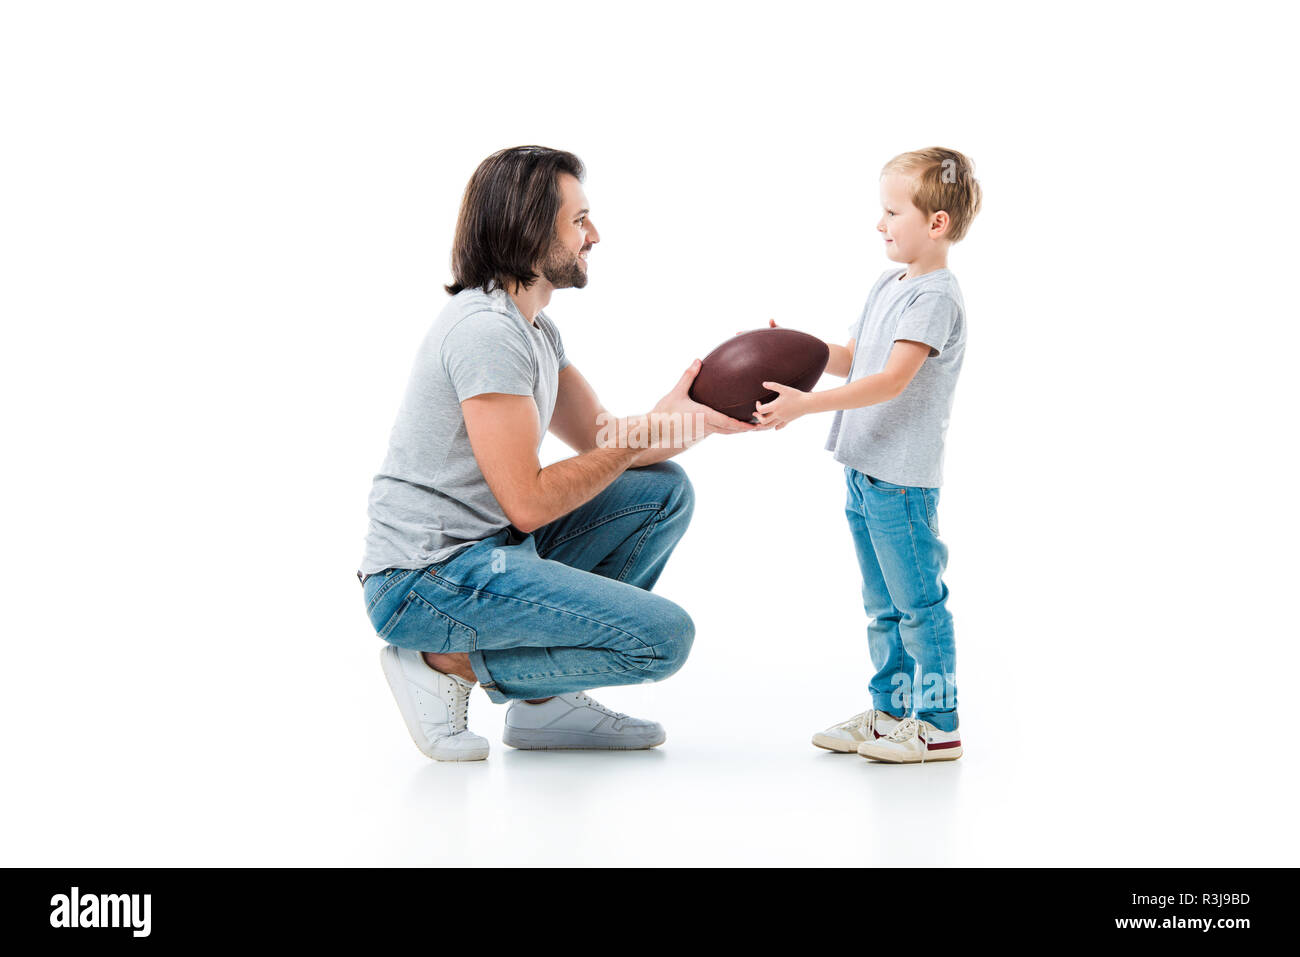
(559, 349)
(483, 354)
(929, 318)
(856, 325)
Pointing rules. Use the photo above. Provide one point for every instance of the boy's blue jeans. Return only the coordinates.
(896, 533)
(564, 608)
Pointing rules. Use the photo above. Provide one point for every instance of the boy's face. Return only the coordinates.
(905, 229)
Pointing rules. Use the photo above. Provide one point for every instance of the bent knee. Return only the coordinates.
(670, 640)
(681, 493)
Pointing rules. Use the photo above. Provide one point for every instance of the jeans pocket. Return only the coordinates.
(381, 583)
(417, 624)
(931, 497)
(882, 486)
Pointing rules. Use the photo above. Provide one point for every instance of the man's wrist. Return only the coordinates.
(660, 433)
(615, 453)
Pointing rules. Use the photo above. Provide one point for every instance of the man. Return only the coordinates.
(482, 566)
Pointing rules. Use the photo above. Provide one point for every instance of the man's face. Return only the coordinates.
(565, 265)
(904, 228)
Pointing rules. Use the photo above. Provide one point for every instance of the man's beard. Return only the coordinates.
(562, 269)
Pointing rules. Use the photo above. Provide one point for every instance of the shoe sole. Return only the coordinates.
(823, 740)
(397, 684)
(532, 740)
(948, 754)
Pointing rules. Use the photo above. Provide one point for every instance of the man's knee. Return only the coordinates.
(679, 493)
(669, 639)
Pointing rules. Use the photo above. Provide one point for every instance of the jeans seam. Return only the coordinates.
(852, 508)
(462, 589)
(398, 614)
(925, 588)
(854, 497)
(631, 559)
(579, 674)
(456, 622)
(384, 589)
(604, 519)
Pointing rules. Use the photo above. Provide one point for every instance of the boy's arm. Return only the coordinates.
(841, 359)
(905, 360)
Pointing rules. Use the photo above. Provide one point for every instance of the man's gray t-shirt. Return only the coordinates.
(430, 500)
(901, 441)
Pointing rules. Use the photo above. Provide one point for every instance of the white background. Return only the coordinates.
(225, 228)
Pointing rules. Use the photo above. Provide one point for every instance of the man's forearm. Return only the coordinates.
(564, 485)
(668, 436)
(656, 437)
(651, 456)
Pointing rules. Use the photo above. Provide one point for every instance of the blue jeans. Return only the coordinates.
(565, 608)
(896, 533)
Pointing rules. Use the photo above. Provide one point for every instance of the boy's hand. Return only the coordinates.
(789, 404)
(771, 324)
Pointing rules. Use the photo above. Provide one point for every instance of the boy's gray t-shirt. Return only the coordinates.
(901, 441)
(430, 499)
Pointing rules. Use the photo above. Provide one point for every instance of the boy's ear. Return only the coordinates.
(939, 224)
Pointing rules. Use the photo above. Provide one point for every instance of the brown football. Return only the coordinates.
(731, 377)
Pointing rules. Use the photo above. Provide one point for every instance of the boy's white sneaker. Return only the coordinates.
(576, 721)
(435, 706)
(913, 741)
(846, 736)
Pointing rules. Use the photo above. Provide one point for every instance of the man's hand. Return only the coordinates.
(677, 421)
(788, 405)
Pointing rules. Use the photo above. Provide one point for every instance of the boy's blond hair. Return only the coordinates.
(942, 179)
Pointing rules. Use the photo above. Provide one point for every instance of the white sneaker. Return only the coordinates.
(913, 741)
(435, 706)
(847, 735)
(576, 721)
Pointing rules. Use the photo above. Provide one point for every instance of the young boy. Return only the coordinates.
(890, 419)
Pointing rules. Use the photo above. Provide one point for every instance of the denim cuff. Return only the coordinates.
(885, 703)
(484, 677)
(943, 720)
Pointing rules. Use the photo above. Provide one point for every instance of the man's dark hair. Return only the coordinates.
(507, 218)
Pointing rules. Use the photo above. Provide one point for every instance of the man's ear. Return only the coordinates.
(939, 224)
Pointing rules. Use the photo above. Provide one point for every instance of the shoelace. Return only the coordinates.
(908, 729)
(459, 707)
(863, 722)
(583, 696)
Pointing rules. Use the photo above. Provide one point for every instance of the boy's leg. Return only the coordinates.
(891, 686)
(903, 527)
